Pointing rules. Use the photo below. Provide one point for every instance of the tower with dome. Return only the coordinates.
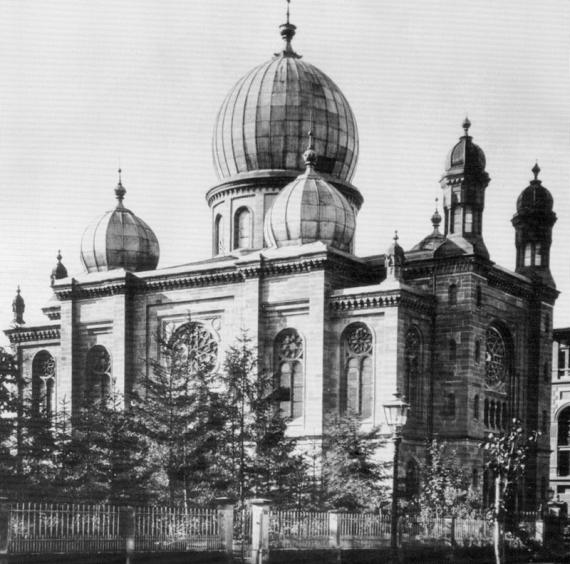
(465, 341)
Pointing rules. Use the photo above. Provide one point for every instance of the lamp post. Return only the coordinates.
(396, 413)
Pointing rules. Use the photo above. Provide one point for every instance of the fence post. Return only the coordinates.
(259, 531)
(226, 522)
(4, 530)
(334, 528)
(127, 531)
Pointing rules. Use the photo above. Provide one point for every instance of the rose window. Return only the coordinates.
(359, 339)
(194, 348)
(496, 362)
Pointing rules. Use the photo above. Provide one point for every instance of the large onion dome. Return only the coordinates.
(308, 210)
(465, 157)
(119, 239)
(263, 121)
(535, 197)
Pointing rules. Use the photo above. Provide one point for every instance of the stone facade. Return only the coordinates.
(468, 343)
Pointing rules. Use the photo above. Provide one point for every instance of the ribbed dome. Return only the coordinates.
(465, 157)
(308, 210)
(119, 239)
(263, 121)
(535, 197)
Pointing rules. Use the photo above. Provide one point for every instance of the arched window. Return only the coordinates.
(356, 386)
(452, 294)
(486, 413)
(537, 254)
(412, 479)
(192, 349)
(289, 357)
(476, 407)
(452, 351)
(242, 229)
(43, 383)
(219, 235)
(449, 406)
(99, 383)
(477, 351)
(413, 384)
(563, 443)
(528, 254)
(498, 359)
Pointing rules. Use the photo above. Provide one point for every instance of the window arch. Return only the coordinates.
(452, 351)
(43, 383)
(452, 294)
(243, 228)
(563, 443)
(476, 407)
(498, 361)
(356, 386)
(193, 348)
(413, 385)
(412, 479)
(289, 351)
(99, 380)
(219, 235)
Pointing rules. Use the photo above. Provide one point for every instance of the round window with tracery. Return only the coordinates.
(359, 339)
(496, 361)
(194, 348)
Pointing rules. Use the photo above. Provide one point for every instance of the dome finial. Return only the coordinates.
(287, 33)
(59, 271)
(120, 190)
(466, 126)
(310, 155)
(536, 170)
(396, 235)
(436, 217)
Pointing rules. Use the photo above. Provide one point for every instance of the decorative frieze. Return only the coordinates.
(23, 335)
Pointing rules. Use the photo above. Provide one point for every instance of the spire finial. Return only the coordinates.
(466, 126)
(59, 257)
(287, 33)
(310, 155)
(120, 190)
(396, 235)
(536, 170)
(436, 217)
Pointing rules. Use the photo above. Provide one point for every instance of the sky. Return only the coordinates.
(86, 86)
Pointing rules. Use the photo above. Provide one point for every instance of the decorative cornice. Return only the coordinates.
(381, 299)
(19, 335)
(192, 280)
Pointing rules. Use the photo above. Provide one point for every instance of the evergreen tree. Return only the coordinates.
(353, 477)
(177, 411)
(257, 457)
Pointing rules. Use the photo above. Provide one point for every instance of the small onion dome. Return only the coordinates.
(262, 123)
(435, 238)
(308, 210)
(465, 157)
(59, 271)
(535, 197)
(18, 308)
(119, 239)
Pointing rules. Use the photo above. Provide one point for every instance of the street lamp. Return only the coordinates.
(396, 412)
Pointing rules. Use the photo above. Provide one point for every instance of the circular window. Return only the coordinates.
(359, 339)
(194, 348)
(496, 361)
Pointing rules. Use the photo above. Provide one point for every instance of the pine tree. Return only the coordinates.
(353, 478)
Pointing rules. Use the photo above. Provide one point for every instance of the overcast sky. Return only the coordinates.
(86, 85)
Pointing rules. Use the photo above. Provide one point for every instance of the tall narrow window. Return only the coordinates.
(457, 220)
(242, 229)
(476, 407)
(537, 255)
(219, 235)
(356, 383)
(475, 479)
(528, 254)
(413, 385)
(289, 358)
(452, 294)
(468, 220)
(412, 479)
(452, 351)
(99, 383)
(43, 383)
(477, 351)
(478, 296)
(449, 406)
(563, 443)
